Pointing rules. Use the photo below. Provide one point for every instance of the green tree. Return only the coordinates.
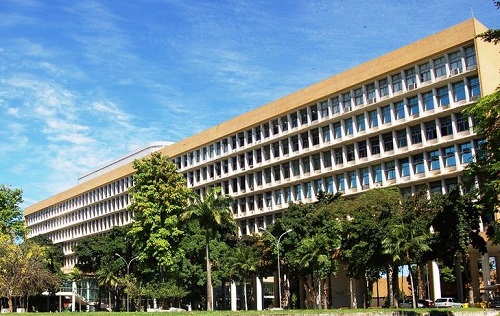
(492, 35)
(212, 211)
(11, 214)
(159, 197)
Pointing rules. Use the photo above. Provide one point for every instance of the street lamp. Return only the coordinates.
(128, 272)
(277, 241)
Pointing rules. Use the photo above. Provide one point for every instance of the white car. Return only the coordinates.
(447, 302)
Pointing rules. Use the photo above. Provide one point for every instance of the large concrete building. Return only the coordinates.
(393, 121)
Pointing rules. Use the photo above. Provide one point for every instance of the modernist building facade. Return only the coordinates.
(393, 121)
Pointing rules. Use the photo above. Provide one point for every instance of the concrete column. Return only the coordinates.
(434, 280)
(258, 293)
(458, 276)
(474, 272)
(233, 295)
(73, 294)
(485, 265)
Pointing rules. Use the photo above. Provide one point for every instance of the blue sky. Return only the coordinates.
(84, 82)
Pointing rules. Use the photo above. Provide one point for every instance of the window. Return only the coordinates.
(353, 183)
(318, 186)
(335, 105)
(449, 156)
(340, 182)
(267, 152)
(370, 92)
(374, 145)
(377, 173)
(284, 123)
(288, 194)
(346, 101)
(470, 57)
(323, 109)
(433, 158)
(455, 61)
(386, 114)
(458, 91)
(286, 170)
(413, 105)
(400, 110)
(277, 197)
(446, 128)
(339, 157)
(303, 116)
(404, 167)
(308, 190)
(348, 126)
(358, 96)
(306, 165)
(474, 89)
(388, 144)
(401, 138)
(390, 170)
(462, 122)
(360, 122)
(416, 134)
(285, 147)
(329, 184)
(305, 140)
(430, 130)
(397, 83)
(325, 130)
(316, 159)
(276, 149)
(337, 130)
(365, 176)
(265, 127)
(327, 159)
(465, 152)
(295, 168)
(295, 143)
(440, 67)
(362, 151)
(418, 163)
(276, 173)
(315, 136)
(428, 99)
(410, 78)
(435, 187)
(383, 87)
(373, 118)
(425, 72)
(442, 96)
(314, 113)
(294, 119)
(298, 192)
(350, 152)
(276, 127)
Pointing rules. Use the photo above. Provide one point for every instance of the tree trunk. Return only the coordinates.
(390, 288)
(209, 274)
(245, 294)
(414, 301)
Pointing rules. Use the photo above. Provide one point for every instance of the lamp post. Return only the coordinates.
(128, 272)
(277, 241)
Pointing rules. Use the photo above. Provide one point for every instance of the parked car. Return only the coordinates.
(426, 303)
(407, 303)
(447, 302)
(496, 302)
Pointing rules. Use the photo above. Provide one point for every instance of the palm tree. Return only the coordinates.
(106, 276)
(213, 212)
(404, 244)
(243, 266)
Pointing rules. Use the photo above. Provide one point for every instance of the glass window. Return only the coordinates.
(277, 197)
(374, 145)
(455, 61)
(339, 157)
(295, 143)
(337, 130)
(435, 187)
(410, 78)
(315, 136)
(303, 116)
(276, 149)
(329, 184)
(388, 144)
(285, 146)
(353, 183)
(346, 101)
(323, 108)
(470, 57)
(386, 114)
(316, 159)
(305, 140)
(327, 159)
(335, 105)
(288, 194)
(397, 83)
(277, 173)
(294, 118)
(308, 190)
(265, 127)
(340, 182)
(425, 72)
(284, 123)
(474, 89)
(449, 156)
(418, 163)
(314, 113)
(298, 192)
(413, 105)
(428, 98)
(458, 91)
(358, 96)
(404, 167)
(465, 152)
(400, 110)
(362, 151)
(286, 170)
(276, 127)
(295, 168)
(390, 170)
(401, 138)
(360, 122)
(442, 96)
(440, 67)
(383, 87)
(373, 118)
(446, 128)
(416, 134)
(377, 173)
(326, 133)
(462, 122)
(430, 130)
(306, 165)
(365, 176)
(370, 91)
(350, 152)
(348, 126)
(433, 160)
